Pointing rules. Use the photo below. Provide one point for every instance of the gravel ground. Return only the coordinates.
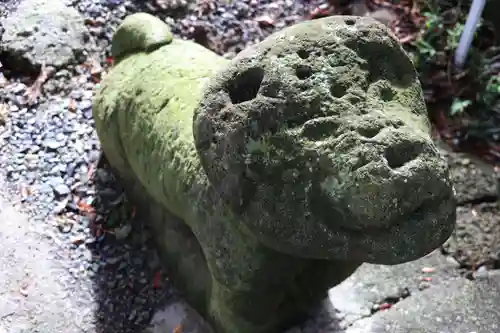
(225, 27)
(7, 6)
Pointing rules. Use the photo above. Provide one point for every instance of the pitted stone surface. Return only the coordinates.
(319, 140)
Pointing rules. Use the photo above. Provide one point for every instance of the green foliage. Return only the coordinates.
(459, 105)
(490, 75)
(433, 52)
(454, 35)
(492, 90)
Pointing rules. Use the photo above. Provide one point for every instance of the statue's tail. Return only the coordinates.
(139, 32)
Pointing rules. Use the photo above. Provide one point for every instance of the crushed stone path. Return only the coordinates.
(33, 297)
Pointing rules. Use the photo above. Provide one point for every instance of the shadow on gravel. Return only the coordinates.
(129, 284)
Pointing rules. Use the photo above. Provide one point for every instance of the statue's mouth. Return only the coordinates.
(402, 215)
(376, 213)
(416, 234)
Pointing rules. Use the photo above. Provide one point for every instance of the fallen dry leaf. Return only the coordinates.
(4, 113)
(35, 90)
(265, 20)
(95, 67)
(84, 207)
(71, 105)
(178, 329)
(25, 191)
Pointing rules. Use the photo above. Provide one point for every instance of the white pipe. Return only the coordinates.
(475, 12)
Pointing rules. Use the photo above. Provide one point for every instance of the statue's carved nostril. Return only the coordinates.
(369, 132)
(320, 128)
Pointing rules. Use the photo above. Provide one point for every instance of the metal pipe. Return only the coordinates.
(475, 13)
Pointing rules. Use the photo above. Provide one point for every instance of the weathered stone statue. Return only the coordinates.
(270, 178)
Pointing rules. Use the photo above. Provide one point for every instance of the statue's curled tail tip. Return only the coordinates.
(140, 32)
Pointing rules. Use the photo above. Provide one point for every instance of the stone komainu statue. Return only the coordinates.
(270, 178)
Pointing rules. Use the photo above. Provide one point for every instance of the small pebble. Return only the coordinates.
(52, 144)
(481, 273)
(61, 190)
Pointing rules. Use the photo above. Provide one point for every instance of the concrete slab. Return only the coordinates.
(374, 285)
(357, 298)
(375, 288)
(457, 305)
(33, 297)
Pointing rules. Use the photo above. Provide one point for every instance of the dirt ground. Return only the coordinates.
(476, 240)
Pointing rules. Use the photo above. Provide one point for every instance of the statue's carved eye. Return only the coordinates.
(303, 72)
(400, 154)
(350, 21)
(245, 86)
(387, 94)
(337, 90)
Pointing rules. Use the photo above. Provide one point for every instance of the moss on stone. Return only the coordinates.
(140, 32)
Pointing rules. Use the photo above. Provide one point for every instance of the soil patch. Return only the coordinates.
(476, 240)
(473, 182)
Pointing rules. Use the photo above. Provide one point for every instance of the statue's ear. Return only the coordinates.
(139, 32)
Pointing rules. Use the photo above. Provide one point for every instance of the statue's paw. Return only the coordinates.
(140, 32)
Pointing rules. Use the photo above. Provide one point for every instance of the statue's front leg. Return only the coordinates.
(258, 290)
(280, 296)
(256, 301)
(249, 280)
(313, 283)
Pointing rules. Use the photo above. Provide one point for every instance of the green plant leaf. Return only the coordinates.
(459, 105)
